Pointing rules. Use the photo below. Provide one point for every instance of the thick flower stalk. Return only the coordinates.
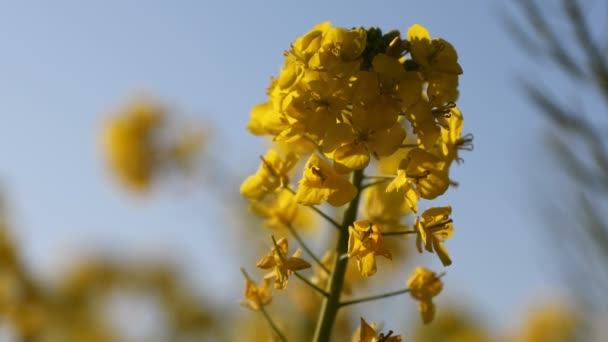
(349, 101)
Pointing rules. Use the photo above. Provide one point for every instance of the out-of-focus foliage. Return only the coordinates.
(453, 324)
(567, 40)
(550, 322)
(75, 308)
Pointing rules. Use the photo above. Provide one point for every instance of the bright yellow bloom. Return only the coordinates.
(320, 182)
(442, 88)
(367, 333)
(386, 90)
(272, 174)
(350, 145)
(315, 105)
(421, 174)
(435, 54)
(389, 165)
(265, 119)
(424, 285)
(339, 52)
(257, 296)
(130, 143)
(384, 208)
(308, 45)
(435, 227)
(451, 140)
(364, 243)
(424, 123)
(282, 264)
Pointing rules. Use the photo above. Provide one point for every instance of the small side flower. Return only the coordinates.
(424, 285)
(282, 265)
(257, 296)
(321, 182)
(435, 227)
(364, 243)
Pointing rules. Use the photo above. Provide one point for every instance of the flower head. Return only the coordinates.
(438, 62)
(421, 174)
(282, 264)
(257, 296)
(435, 227)
(321, 182)
(272, 174)
(364, 243)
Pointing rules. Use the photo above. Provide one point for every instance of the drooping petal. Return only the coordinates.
(442, 252)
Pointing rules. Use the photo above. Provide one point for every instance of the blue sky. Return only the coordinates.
(65, 65)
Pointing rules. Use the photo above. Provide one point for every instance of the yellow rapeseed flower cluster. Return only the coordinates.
(139, 144)
(346, 101)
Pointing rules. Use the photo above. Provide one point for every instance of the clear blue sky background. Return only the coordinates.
(64, 65)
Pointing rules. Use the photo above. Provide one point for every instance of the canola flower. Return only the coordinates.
(281, 264)
(346, 101)
(364, 243)
(257, 296)
(434, 227)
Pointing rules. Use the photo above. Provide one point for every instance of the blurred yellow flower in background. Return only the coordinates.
(257, 296)
(424, 284)
(139, 144)
(550, 322)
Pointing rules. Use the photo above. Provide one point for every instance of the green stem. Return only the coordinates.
(306, 249)
(313, 286)
(274, 327)
(367, 299)
(331, 304)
